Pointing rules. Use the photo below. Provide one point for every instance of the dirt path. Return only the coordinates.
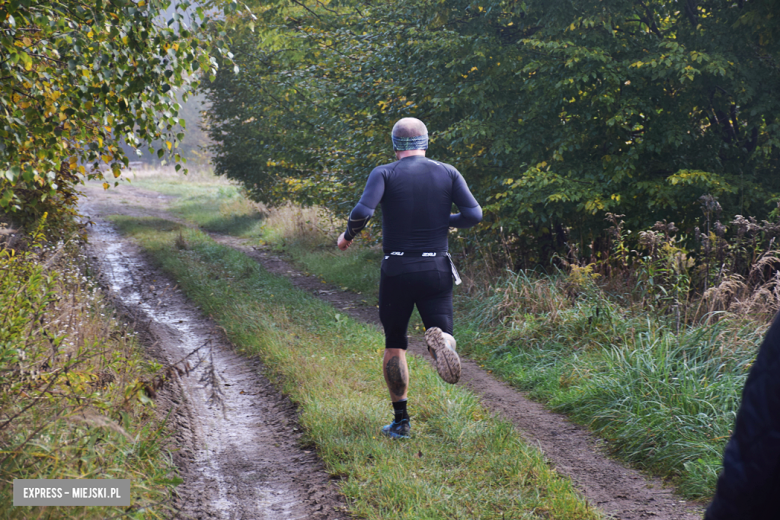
(237, 437)
(622, 493)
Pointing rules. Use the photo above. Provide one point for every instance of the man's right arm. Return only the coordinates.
(364, 210)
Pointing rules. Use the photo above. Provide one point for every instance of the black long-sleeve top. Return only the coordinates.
(416, 194)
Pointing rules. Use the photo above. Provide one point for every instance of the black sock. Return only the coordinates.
(400, 410)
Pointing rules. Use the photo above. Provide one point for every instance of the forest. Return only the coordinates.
(558, 113)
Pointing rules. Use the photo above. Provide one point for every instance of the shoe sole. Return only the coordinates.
(447, 360)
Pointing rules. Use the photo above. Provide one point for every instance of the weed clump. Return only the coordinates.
(73, 402)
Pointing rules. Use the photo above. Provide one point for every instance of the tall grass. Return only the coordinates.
(664, 398)
(72, 379)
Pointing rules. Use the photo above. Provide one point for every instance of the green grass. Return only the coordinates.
(664, 401)
(218, 206)
(213, 204)
(356, 269)
(461, 461)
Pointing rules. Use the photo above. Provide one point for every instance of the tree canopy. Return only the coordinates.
(556, 112)
(77, 79)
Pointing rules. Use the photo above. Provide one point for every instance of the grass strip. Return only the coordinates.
(222, 208)
(664, 400)
(461, 461)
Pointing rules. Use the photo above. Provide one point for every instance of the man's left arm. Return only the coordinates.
(470, 210)
(364, 210)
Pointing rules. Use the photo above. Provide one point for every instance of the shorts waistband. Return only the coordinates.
(412, 254)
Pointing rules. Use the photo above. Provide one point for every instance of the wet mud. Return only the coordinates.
(237, 442)
(620, 492)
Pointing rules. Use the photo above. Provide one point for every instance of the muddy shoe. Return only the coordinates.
(397, 430)
(447, 360)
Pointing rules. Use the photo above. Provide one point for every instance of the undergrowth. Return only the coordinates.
(664, 399)
(72, 379)
(460, 463)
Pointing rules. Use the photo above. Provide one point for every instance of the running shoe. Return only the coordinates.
(447, 360)
(397, 429)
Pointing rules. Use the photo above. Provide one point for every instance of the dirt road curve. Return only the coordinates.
(622, 493)
(237, 436)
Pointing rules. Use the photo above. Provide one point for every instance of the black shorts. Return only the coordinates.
(406, 282)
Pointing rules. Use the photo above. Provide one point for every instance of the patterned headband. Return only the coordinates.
(410, 143)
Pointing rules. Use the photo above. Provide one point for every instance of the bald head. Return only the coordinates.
(410, 137)
(409, 127)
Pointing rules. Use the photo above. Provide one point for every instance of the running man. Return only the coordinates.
(417, 196)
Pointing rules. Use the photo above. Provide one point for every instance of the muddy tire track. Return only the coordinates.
(237, 439)
(622, 493)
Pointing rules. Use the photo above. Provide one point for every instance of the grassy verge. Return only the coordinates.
(664, 400)
(460, 463)
(72, 403)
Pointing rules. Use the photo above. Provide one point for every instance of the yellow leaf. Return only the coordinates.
(106, 185)
(169, 144)
(100, 141)
(90, 35)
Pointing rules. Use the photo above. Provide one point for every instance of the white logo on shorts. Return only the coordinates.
(429, 254)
